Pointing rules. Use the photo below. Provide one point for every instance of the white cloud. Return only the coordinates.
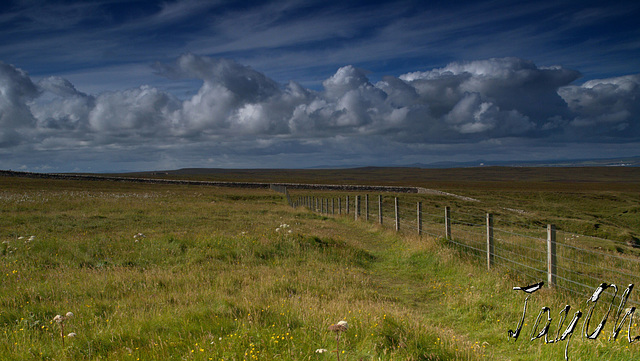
(60, 106)
(606, 106)
(240, 111)
(510, 84)
(144, 111)
(16, 89)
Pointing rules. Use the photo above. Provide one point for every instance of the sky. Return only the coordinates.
(112, 85)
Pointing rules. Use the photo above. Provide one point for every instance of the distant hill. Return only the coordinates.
(606, 162)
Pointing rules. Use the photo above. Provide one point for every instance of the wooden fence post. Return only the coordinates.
(419, 220)
(366, 207)
(551, 255)
(357, 207)
(447, 222)
(397, 215)
(333, 207)
(490, 246)
(380, 209)
(339, 206)
(347, 205)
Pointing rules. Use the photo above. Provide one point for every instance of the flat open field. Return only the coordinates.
(169, 272)
(484, 178)
(596, 201)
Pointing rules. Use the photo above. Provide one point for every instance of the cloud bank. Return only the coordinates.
(239, 113)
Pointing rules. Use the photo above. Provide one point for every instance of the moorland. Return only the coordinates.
(179, 272)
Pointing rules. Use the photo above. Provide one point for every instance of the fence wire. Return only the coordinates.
(517, 246)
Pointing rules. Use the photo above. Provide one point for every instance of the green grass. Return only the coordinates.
(212, 278)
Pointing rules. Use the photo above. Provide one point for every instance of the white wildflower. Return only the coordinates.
(69, 315)
(322, 350)
(71, 335)
(58, 318)
(344, 324)
(32, 238)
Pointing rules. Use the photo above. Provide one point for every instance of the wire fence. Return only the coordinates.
(571, 262)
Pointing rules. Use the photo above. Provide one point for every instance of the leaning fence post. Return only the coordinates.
(380, 209)
(551, 255)
(490, 247)
(397, 215)
(419, 220)
(357, 207)
(447, 222)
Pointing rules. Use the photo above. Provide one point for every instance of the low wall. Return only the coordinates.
(328, 187)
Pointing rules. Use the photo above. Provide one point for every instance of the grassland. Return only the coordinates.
(595, 201)
(216, 275)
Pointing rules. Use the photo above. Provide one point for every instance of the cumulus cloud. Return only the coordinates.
(145, 111)
(475, 101)
(511, 95)
(605, 106)
(16, 89)
(61, 106)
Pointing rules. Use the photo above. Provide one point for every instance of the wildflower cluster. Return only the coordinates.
(284, 228)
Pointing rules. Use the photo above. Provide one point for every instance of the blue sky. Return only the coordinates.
(137, 85)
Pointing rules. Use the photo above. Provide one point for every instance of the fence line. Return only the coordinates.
(564, 263)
